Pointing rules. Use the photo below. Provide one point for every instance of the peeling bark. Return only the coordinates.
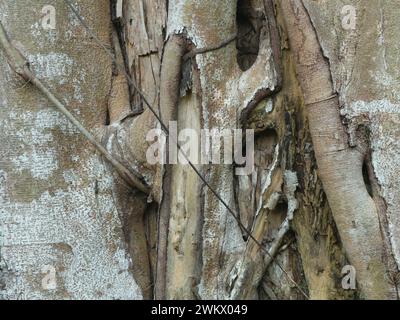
(322, 195)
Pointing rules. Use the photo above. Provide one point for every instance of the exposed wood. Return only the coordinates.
(169, 97)
(324, 192)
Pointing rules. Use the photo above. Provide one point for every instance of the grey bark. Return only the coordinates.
(321, 99)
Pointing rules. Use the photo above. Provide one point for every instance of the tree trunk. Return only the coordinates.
(58, 204)
(315, 81)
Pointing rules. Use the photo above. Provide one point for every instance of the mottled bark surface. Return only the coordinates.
(322, 99)
(57, 203)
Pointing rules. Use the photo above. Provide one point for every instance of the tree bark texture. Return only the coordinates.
(321, 99)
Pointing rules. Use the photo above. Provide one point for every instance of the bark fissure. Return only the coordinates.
(323, 193)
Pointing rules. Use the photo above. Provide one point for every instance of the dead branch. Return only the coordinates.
(197, 51)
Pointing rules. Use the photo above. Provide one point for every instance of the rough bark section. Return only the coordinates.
(317, 240)
(340, 167)
(226, 93)
(57, 206)
(82, 214)
(131, 204)
(144, 33)
(282, 121)
(199, 18)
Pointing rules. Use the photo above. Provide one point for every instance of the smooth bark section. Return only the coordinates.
(340, 167)
(118, 101)
(169, 96)
(185, 226)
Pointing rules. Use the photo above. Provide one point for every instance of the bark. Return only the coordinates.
(340, 166)
(169, 96)
(323, 192)
(57, 203)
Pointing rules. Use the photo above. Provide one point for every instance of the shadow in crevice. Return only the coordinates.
(367, 180)
(249, 22)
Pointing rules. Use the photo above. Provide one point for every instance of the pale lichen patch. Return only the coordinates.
(40, 164)
(54, 65)
(98, 265)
